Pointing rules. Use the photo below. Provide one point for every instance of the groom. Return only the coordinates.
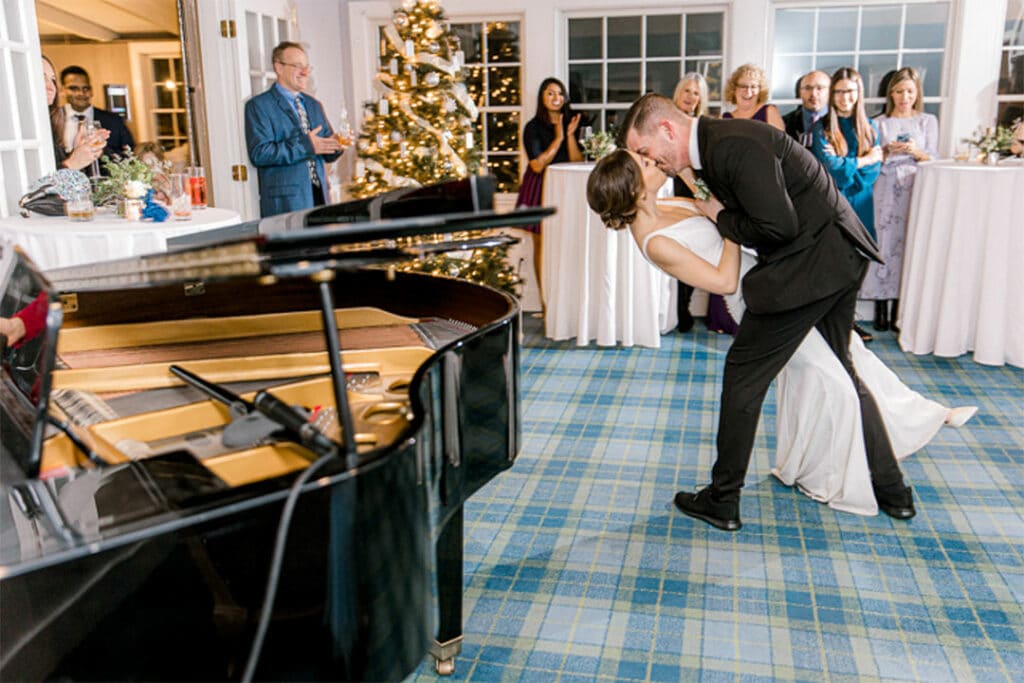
(774, 196)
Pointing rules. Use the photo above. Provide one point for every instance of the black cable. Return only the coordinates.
(277, 559)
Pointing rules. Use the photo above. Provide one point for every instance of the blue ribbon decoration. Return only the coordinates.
(153, 210)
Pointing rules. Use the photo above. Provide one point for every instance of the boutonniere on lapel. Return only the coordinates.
(697, 186)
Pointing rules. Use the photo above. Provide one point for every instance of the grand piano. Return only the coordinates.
(247, 458)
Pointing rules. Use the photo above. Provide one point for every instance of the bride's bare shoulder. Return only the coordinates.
(678, 209)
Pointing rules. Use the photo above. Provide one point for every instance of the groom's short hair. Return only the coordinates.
(644, 112)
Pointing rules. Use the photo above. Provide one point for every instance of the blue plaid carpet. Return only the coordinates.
(577, 570)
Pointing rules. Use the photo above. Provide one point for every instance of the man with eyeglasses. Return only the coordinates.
(813, 93)
(289, 138)
(74, 81)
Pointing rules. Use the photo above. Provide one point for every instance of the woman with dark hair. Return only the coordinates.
(819, 440)
(82, 155)
(550, 137)
(908, 136)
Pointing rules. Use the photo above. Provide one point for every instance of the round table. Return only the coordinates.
(597, 284)
(963, 264)
(57, 241)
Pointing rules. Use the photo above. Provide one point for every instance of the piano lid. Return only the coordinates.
(343, 236)
(26, 363)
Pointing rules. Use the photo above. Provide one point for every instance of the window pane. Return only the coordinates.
(474, 76)
(504, 86)
(926, 26)
(503, 41)
(164, 97)
(837, 30)
(502, 131)
(624, 82)
(933, 108)
(161, 70)
(711, 69)
(613, 117)
(470, 41)
(873, 68)
(1011, 73)
(505, 171)
(165, 124)
(623, 37)
(929, 65)
(1010, 112)
(585, 38)
(794, 30)
(880, 28)
(786, 71)
(704, 34)
(664, 35)
(829, 63)
(585, 83)
(662, 77)
(1013, 32)
(12, 11)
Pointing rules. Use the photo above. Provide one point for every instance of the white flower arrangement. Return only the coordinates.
(598, 145)
(700, 189)
(135, 189)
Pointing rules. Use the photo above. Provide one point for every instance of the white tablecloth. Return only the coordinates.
(963, 269)
(57, 242)
(597, 285)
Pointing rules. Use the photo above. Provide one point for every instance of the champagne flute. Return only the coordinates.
(93, 139)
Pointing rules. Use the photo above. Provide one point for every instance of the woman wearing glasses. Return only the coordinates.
(846, 141)
(747, 90)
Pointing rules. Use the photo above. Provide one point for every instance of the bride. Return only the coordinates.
(819, 442)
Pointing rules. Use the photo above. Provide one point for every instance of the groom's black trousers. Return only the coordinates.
(763, 345)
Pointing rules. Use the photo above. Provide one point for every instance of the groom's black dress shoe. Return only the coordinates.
(897, 501)
(725, 515)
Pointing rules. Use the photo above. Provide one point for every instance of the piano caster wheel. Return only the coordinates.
(444, 667)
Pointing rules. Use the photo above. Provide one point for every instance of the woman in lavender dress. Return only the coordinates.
(908, 136)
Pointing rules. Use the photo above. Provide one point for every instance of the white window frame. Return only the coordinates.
(1015, 98)
(644, 13)
(871, 100)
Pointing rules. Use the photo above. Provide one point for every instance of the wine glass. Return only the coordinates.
(343, 132)
(96, 141)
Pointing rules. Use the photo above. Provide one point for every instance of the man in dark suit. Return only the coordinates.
(813, 252)
(74, 81)
(289, 138)
(813, 93)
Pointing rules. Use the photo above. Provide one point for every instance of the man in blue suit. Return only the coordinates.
(289, 138)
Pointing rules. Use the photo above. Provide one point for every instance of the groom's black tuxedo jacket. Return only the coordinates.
(782, 202)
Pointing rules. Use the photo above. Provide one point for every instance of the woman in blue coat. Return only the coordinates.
(847, 143)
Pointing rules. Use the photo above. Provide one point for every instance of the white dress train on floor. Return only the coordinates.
(819, 441)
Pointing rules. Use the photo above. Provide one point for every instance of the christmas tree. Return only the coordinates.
(419, 131)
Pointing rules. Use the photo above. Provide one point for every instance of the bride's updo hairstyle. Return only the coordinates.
(614, 188)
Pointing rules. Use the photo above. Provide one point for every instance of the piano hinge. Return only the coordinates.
(227, 28)
(195, 289)
(69, 302)
(240, 172)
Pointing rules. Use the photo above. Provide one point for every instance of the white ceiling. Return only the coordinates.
(106, 20)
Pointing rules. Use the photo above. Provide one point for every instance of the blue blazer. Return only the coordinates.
(120, 136)
(279, 150)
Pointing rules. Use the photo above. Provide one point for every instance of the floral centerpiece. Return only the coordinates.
(598, 145)
(127, 184)
(989, 139)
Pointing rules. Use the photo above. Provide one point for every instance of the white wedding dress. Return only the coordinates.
(819, 441)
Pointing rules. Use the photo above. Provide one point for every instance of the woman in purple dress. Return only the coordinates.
(908, 136)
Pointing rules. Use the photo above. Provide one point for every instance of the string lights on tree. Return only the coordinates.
(419, 127)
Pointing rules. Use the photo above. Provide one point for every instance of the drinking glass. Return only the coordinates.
(80, 207)
(197, 186)
(94, 140)
(343, 133)
(963, 152)
(181, 196)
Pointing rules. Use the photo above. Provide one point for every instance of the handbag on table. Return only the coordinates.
(48, 194)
